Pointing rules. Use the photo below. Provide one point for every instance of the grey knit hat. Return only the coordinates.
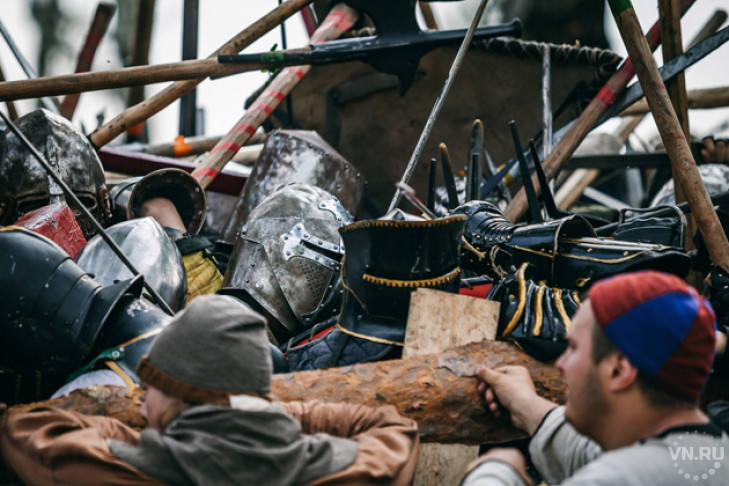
(214, 348)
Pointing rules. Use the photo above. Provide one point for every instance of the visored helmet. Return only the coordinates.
(24, 183)
(287, 255)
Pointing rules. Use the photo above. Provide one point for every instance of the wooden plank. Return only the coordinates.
(438, 320)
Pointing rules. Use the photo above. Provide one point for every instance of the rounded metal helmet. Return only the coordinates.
(24, 183)
(287, 256)
(150, 250)
(714, 176)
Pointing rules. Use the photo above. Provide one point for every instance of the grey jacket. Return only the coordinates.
(695, 454)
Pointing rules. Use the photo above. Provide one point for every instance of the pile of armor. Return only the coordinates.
(335, 289)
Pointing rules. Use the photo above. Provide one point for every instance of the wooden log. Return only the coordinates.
(339, 19)
(111, 401)
(99, 25)
(685, 172)
(439, 391)
(585, 122)
(438, 320)
(141, 111)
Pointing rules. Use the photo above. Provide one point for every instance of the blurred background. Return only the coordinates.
(50, 34)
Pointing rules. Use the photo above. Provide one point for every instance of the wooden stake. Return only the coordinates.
(685, 172)
(141, 111)
(339, 19)
(586, 121)
(99, 25)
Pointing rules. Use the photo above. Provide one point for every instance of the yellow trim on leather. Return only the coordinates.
(429, 282)
(535, 252)
(560, 308)
(151, 333)
(522, 301)
(368, 338)
(538, 313)
(122, 374)
(378, 223)
(576, 297)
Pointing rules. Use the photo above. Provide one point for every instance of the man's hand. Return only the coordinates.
(716, 151)
(509, 455)
(512, 388)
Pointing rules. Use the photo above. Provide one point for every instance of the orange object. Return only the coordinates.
(135, 130)
(181, 146)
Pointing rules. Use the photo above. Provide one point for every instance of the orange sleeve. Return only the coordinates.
(387, 442)
(50, 446)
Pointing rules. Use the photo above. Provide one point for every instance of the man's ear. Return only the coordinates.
(621, 374)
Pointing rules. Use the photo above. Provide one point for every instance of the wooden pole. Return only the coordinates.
(676, 88)
(586, 121)
(580, 179)
(122, 77)
(698, 99)
(141, 111)
(183, 146)
(99, 25)
(339, 19)
(672, 48)
(685, 172)
(428, 15)
(139, 49)
(140, 43)
(12, 112)
(438, 391)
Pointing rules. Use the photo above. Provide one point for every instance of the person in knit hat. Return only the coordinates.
(211, 421)
(640, 351)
